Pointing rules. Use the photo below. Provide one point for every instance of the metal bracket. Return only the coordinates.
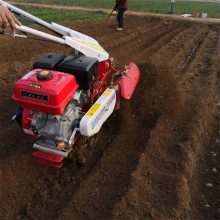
(14, 34)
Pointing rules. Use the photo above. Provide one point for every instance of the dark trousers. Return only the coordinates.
(120, 17)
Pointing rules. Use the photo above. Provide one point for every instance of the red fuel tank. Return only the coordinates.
(45, 91)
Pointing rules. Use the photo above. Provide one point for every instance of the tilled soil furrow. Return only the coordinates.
(144, 159)
(206, 194)
(113, 35)
(161, 158)
(109, 180)
(118, 39)
(174, 53)
(157, 45)
(147, 42)
(193, 53)
(202, 65)
(205, 203)
(106, 31)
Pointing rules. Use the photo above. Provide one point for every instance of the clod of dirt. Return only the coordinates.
(214, 170)
(209, 185)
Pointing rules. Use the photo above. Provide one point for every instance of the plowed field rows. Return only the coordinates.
(152, 159)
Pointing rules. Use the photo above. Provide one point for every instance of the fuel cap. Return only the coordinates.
(44, 75)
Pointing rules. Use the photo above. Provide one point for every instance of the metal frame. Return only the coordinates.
(80, 42)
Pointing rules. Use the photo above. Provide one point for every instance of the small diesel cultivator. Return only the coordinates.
(65, 97)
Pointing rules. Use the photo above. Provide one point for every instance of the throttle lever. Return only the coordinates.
(14, 34)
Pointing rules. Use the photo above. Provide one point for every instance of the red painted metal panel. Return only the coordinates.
(129, 82)
(49, 159)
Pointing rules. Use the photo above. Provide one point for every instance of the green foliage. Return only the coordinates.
(157, 6)
(55, 15)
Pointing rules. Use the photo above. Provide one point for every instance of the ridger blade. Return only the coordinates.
(129, 82)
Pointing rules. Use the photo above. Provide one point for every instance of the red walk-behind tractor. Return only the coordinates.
(65, 97)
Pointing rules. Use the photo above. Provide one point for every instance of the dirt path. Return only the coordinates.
(130, 12)
(147, 155)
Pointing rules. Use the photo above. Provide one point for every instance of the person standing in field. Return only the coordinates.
(121, 6)
(7, 18)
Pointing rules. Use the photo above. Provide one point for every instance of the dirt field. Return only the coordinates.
(153, 158)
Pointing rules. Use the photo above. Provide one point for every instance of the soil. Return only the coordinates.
(154, 157)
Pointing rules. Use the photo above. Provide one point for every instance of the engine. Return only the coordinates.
(64, 97)
(52, 97)
(54, 131)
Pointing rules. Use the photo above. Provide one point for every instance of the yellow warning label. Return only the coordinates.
(35, 86)
(93, 109)
(93, 45)
(107, 92)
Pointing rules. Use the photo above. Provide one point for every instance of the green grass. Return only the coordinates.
(156, 6)
(54, 15)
